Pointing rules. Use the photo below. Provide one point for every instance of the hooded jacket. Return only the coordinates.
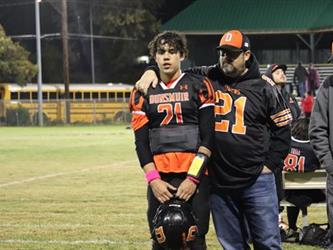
(321, 128)
(249, 111)
(289, 99)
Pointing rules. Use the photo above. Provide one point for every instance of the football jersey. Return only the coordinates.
(174, 104)
(244, 113)
(301, 157)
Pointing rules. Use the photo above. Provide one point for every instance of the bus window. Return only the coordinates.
(112, 96)
(13, 95)
(103, 95)
(120, 97)
(95, 95)
(71, 95)
(24, 95)
(86, 95)
(78, 95)
(53, 95)
(45, 96)
(127, 96)
(34, 96)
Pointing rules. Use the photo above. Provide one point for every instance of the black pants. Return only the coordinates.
(199, 202)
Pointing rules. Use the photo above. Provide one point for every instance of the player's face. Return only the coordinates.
(233, 63)
(279, 77)
(168, 60)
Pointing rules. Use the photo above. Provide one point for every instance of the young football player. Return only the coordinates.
(174, 129)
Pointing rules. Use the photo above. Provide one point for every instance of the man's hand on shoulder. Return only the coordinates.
(148, 78)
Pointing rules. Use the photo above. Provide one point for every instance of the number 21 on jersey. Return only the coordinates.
(170, 112)
(227, 107)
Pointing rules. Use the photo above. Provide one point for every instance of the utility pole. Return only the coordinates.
(92, 54)
(64, 29)
(39, 64)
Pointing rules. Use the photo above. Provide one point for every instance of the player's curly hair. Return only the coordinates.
(172, 38)
(300, 129)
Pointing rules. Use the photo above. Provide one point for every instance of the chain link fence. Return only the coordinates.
(25, 113)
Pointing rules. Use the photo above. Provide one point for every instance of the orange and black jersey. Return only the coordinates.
(251, 127)
(189, 100)
(301, 157)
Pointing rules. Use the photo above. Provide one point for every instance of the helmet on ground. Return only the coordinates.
(174, 224)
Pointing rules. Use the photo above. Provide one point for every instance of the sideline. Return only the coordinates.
(12, 183)
(75, 242)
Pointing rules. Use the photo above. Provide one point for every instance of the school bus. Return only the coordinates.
(89, 103)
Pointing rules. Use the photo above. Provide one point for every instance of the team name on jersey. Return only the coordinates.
(169, 97)
(232, 90)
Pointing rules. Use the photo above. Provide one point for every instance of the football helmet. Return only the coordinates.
(174, 224)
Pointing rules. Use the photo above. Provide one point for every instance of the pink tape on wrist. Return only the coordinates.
(194, 180)
(152, 175)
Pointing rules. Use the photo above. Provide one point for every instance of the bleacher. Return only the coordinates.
(324, 70)
(298, 181)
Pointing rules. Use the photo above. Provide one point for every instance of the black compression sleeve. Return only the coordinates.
(207, 126)
(142, 145)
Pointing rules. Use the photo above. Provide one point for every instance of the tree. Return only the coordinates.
(14, 63)
(132, 24)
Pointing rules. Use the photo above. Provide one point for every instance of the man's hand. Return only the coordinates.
(148, 78)
(161, 190)
(186, 189)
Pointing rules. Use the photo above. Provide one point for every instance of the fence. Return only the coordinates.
(25, 113)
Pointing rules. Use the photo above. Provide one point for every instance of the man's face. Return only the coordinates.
(279, 77)
(232, 63)
(168, 59)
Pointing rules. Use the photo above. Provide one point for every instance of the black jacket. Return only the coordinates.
(248, 112)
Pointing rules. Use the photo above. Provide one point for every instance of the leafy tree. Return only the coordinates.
(14, 63)
(132, 24)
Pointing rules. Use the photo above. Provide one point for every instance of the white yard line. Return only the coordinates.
(74, 242)
(42, 177)
(65, 225)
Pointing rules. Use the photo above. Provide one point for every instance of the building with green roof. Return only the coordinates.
(283, 31)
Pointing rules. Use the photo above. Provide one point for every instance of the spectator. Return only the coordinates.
(321, 137)
(307, 104)
(299, 80)
(277, 72)
(248, 113)
(301, 158)
(313, 79)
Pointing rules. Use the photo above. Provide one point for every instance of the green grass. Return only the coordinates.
(77, 188)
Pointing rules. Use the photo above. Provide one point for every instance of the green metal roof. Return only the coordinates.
(254, 16)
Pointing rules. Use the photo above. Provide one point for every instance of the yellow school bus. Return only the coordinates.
(89, 103)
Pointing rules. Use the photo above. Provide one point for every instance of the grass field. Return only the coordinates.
(77, 188)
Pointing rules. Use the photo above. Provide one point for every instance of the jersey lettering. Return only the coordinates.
(239, 104)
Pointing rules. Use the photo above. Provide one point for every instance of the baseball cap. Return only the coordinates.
(331, 57)
(279, 66)
(234, 40)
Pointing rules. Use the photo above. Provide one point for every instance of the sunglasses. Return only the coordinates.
(229, 53)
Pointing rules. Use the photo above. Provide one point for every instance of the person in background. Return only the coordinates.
(301, 158)
(249, 111)
(277, 72)
(307, 104)
(174, 132)
(321, 138)
(299, 79)
(313, 79)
